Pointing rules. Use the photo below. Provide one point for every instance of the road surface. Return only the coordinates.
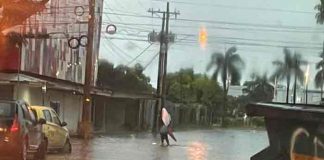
(218, 144)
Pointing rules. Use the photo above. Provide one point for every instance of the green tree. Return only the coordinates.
(290, 67)
(105, 73)
(319, 77)
(259, 89)
(230, 66)
(123, 78)
(207, 91)
(179, 86)
(187, 88)
(320, 14)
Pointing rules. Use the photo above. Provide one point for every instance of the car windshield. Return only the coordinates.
(7, 110)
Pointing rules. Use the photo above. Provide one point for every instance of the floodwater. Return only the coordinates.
(217, 144)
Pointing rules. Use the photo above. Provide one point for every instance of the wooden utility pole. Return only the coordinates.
(159, 89)
(85, 126)
(295, 81)
(165, 56)
(161, 86)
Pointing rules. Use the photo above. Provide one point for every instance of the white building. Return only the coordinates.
(48, 71)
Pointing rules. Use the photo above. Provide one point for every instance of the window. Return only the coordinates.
(47, 115)
(35, 113)
(32, 115)
(7, 109)
(25, 112)
(56, 119)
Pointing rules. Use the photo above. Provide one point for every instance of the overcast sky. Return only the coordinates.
(268, 24)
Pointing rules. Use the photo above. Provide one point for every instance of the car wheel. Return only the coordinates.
(67, 147)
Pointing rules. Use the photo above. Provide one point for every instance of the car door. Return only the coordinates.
(49, 129)
(34, 129)
(60, 132)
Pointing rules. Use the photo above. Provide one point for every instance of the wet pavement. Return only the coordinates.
(218, 144)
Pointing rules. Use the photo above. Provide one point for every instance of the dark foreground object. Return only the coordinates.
(294, 131)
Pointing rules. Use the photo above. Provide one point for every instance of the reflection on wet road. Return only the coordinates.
(216, 144)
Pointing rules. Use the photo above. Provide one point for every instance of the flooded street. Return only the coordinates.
(218, 144)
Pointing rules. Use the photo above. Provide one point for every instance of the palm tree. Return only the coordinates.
(319, 77)
(320, 15)
(229, 65)
(288, 68)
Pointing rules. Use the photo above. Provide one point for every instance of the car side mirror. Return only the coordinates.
(42, 121)
(64, 124)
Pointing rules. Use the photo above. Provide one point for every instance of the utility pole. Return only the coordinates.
(165, 56)
(295, 83)
(165, 38)
(159, 89)
(85, 125)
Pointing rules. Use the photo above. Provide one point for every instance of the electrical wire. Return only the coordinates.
(116, 48)
(140, 54)
(213, 27)
(150, 62)
(121, 50)
(113, 52)
(252, 44)
(248, 39)
(218, 22)
(237, 7)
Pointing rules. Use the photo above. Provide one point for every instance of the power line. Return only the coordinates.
(140, 54)
(115, 48)
(249, 39)
(188, 42)
(122, 51)
(218, 22)
(133, 28)
(113, 52)
(129, 15)
(211, 21)
(252, 44)
(151, 61)
(238, 7)
(127, 39)
(128, 34)
(213, 27)
(243, 24)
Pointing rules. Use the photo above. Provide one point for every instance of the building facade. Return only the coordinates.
(49, 68)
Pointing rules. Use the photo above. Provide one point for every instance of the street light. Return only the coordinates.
(306, 83)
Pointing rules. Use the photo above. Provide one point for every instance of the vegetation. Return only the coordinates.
(123, 78)
(320, 14)
(319, 77)
(189, 89)
(259, 89)
(230, 66)
(289, 68)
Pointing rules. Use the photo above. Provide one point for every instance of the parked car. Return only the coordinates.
(55, 130)
(21, 135)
